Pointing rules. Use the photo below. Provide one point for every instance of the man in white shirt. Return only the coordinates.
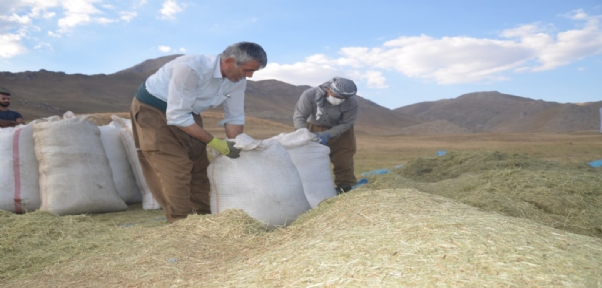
(168, 128)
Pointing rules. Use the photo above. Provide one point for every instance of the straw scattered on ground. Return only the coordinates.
(566, 196)
(369, 238)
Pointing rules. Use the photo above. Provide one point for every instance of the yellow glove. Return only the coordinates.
(225, 147)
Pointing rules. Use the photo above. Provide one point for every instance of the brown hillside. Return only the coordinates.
(45, 93)
(497, 112)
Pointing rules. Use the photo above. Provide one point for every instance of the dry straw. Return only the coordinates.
(366, 238)
(566, 196)
(393, 232)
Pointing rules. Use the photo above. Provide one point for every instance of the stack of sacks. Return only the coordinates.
(75, 175)
(80, 167)
(313, 164)
(127, 139)
(263, 182)
(19, 169)
(123, 176)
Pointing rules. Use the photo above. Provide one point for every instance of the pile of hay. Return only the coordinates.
(369, 238)
(566, 196)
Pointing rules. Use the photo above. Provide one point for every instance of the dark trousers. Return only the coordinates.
(342, 150)
(174, 163)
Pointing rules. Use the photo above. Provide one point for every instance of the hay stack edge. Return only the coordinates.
(369, 238)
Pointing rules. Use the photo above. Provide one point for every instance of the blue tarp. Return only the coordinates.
(441, 152)
(360, 183)
(376, 172)
(596, 164)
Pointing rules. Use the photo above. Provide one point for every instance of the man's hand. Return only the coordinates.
(8, 123)
(225, 147)
(323, 137)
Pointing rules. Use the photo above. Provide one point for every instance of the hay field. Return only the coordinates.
(495, 211)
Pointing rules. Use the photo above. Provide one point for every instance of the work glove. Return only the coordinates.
(323, 137)
(225, 147)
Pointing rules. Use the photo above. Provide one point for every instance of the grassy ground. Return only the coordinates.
(376, 152)
(389, 233)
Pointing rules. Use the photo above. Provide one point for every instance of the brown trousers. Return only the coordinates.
(342, 150)
(174, 163)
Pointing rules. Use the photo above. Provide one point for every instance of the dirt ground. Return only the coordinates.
(518, 224)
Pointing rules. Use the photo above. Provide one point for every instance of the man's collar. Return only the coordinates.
(217, 71)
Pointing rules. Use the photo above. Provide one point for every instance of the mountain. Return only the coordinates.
(496, 112)
(46, 93)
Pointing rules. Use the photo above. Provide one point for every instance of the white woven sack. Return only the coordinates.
(123, 176)
(127, 139)
(313, 164)
(263, 182)
(75, 176)
(20, 190)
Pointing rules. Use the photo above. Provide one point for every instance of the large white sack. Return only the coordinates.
(123, 176)
(75, 176)
(20, 191)
(127, 139)
(313, 164)
(263, 182)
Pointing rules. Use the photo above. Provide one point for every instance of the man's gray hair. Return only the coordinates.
(243, 52)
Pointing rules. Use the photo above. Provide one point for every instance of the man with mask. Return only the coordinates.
(330, 111)
(8, 118)
(168, 128)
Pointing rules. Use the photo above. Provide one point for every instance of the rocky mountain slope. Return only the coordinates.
(45, 93)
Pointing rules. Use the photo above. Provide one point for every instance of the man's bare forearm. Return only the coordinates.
(233, 130)
(8, 123)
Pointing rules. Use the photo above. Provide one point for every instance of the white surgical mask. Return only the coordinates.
(334, 100)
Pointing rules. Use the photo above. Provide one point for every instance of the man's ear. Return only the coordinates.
(230, 62)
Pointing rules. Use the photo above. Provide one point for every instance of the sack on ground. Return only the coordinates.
(313, 164)
(263, 182)
(75, 176)
(20, 190)
(127, 139)
(123, 175)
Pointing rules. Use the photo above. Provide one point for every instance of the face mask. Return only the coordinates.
(334, 100)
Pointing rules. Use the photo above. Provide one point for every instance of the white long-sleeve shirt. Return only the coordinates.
(193, 84)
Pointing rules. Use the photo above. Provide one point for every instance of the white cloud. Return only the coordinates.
(11, 45)
(170, 9)
(48, 15)
(182, 50)
(127, 16)
(452, 60)
(301, 73)
(164, 49)
(41, 46)
(18, 17)
(374, 79)
(77, 12)
(15, 19)
(574, 44)
(52, 34)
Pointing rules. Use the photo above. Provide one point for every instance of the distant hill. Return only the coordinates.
(496, 112)
(45, 93)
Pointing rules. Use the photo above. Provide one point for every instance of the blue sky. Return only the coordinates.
(398, 52)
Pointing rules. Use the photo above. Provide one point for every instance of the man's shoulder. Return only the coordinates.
(201, 64)
(203, 59)
(351, 102)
